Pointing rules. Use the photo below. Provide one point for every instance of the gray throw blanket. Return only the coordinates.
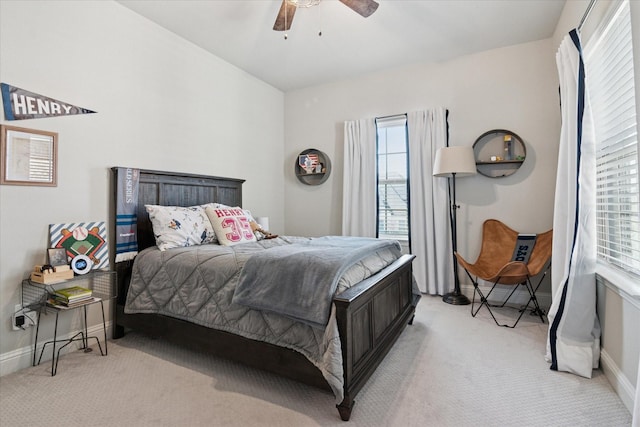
(299, 280)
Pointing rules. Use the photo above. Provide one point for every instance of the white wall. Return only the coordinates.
(162, 103)
(513, 88)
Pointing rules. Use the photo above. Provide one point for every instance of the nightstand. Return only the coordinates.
(35, 296)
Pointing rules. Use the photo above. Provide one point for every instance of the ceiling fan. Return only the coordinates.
(288, 9)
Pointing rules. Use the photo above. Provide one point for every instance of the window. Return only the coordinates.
(392, 167)
(610, 82)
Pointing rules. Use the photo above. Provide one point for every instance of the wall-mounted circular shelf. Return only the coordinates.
(499, 153)
(312, 167)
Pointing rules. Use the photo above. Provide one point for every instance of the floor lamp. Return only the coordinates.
(451, 162)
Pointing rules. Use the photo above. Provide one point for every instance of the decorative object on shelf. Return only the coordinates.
(499, 153)
(449, 163)
(313, 167)
(48, 274)
(308, 162)
(29, 157)
(57, 256)
(81, 264)
(508, 147)
(83, 238)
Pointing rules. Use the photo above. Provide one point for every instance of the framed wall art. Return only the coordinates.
(28, 156)
(82, 238)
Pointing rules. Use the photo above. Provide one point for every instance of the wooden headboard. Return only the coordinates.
(178, 189)
(169, 189)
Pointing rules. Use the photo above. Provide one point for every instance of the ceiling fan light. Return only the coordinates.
(304, 3)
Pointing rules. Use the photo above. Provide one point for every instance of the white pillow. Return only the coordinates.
(231, 225)
(176, 226)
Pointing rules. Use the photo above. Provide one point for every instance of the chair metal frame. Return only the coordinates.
(494, 265)
(484, 300)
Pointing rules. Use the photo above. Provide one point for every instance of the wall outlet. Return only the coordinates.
(23, 319)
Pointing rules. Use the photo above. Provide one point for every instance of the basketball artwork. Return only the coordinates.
(82, 238)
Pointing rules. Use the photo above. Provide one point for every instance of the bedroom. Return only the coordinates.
(72, 51)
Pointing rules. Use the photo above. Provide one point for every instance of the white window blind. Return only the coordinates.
(610, 83)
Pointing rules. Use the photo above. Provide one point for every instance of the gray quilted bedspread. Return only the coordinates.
(197, 284)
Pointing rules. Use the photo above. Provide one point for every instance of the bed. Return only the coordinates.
(368, 315)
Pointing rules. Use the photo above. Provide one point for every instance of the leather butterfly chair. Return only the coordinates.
(495, 265)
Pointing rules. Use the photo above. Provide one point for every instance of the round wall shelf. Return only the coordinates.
(312, 167)
(499, 153)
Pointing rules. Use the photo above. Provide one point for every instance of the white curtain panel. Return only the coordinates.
(429, 203)
(573, 343)
(359, 183)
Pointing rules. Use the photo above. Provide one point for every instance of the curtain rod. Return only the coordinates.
(393, 116)
(586, 14)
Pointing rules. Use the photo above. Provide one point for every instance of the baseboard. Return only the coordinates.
(22, 358)
(618, 380)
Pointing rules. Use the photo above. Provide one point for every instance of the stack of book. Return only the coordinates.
(70, 297)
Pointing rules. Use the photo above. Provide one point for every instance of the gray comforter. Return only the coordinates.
(197, 284)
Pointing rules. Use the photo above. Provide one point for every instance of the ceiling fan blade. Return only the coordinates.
(280, 19)
(362, 7)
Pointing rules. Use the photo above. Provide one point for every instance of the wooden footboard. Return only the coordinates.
(371, 316)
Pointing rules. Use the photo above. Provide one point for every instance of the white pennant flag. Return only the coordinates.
(20, 104)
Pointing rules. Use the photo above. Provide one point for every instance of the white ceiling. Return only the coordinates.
(399, 33)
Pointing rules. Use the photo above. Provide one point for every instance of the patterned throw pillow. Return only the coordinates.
(231, 225)
(176, 226)
(259, 235)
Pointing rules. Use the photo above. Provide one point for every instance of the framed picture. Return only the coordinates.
(57, 256)
(82, 238)
(28, 156)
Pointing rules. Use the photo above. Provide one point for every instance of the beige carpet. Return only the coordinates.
(447, 369)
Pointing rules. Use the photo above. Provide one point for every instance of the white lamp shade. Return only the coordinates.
(458, 160)
(263, 222)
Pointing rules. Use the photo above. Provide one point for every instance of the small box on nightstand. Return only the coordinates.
(53, 275)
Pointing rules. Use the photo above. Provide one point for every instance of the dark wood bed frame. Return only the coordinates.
(370, 315)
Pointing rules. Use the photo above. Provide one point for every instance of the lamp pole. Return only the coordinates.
(456, 297)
